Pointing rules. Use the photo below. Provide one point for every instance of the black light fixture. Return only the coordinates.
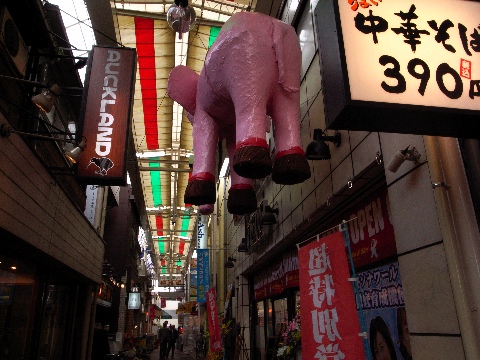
(318, 149)
(242, 247)
(267, 217)
(72, 155)
(230, 263)
(181, 17)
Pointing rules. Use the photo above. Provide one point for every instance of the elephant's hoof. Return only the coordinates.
(252, 162)
(206, 209)
(291, 169)
(199, 192)
(241, 201)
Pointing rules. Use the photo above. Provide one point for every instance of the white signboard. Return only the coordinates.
(418, 52)
(401, 66)
(133, 301)
(91, 203)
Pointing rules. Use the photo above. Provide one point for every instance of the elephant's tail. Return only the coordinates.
(182, 87)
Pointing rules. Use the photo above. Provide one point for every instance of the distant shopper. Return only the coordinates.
(169, 339)
(172, 339)
(162, 339)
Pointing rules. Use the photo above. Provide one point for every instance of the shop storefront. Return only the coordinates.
(380, 302)
(277, 300)
(42, 304)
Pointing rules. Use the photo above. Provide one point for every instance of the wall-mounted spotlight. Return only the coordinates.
(243, 247)
(71, 155)
(230, 263)
(267, 217)
(402, 155)
(46, 99)
(318, 149)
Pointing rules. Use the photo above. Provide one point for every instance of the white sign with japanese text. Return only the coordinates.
(415, 52)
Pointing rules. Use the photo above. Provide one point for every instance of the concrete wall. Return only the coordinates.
(35, 208)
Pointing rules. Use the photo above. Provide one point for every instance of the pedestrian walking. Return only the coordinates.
(169, 339)
(172, 339)
(162, 339)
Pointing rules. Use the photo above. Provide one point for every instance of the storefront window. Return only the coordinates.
(297, 302)
(54, 322)
(281, 315)
(17, 284)
(269, 319)
(260, 331)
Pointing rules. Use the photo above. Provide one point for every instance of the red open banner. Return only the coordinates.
(213, 323)
(330, 326)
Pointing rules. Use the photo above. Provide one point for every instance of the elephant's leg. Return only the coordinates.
(241, 195)
(290, 164)
(252, 155)
(201, 185)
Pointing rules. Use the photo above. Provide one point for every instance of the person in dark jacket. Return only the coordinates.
(172, 339)
(162, 339)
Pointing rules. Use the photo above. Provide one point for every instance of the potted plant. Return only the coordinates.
(291, 341)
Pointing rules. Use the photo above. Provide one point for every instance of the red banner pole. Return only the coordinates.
(344, 229)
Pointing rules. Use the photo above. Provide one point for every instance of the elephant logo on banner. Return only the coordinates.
(251, 74)
(103, 165)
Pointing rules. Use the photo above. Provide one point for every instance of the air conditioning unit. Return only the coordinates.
(11, 42)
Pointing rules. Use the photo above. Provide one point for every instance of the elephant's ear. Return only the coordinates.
(288, 56)
(182, 87)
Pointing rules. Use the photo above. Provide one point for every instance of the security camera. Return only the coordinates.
(402, 155)
(397, 161)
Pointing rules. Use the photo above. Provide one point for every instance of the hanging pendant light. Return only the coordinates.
(181, 17)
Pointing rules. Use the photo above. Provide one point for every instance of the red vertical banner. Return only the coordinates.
(163, 302)
(330, 326)
(151, 313)
(213, 322)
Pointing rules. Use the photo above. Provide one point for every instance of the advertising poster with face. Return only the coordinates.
(381, 298)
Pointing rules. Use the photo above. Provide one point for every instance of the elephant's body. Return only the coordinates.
(252, 71)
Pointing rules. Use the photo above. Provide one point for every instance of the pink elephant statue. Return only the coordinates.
(251, 72)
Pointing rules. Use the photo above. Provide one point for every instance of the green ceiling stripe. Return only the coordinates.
(213, 35)
(185, 224)
(161, 247)
(156, 185)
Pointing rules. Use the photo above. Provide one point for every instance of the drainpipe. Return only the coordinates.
(225, 238)
(460, 235)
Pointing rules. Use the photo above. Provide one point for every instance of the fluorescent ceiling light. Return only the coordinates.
(223, 171)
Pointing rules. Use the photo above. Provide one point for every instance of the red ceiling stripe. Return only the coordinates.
(159, 223)
(144, 29)
(189, 176)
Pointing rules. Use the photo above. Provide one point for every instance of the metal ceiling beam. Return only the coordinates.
(160, 16)
(176, 241)
(146, 168)
(171, 230)
(140, 160)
